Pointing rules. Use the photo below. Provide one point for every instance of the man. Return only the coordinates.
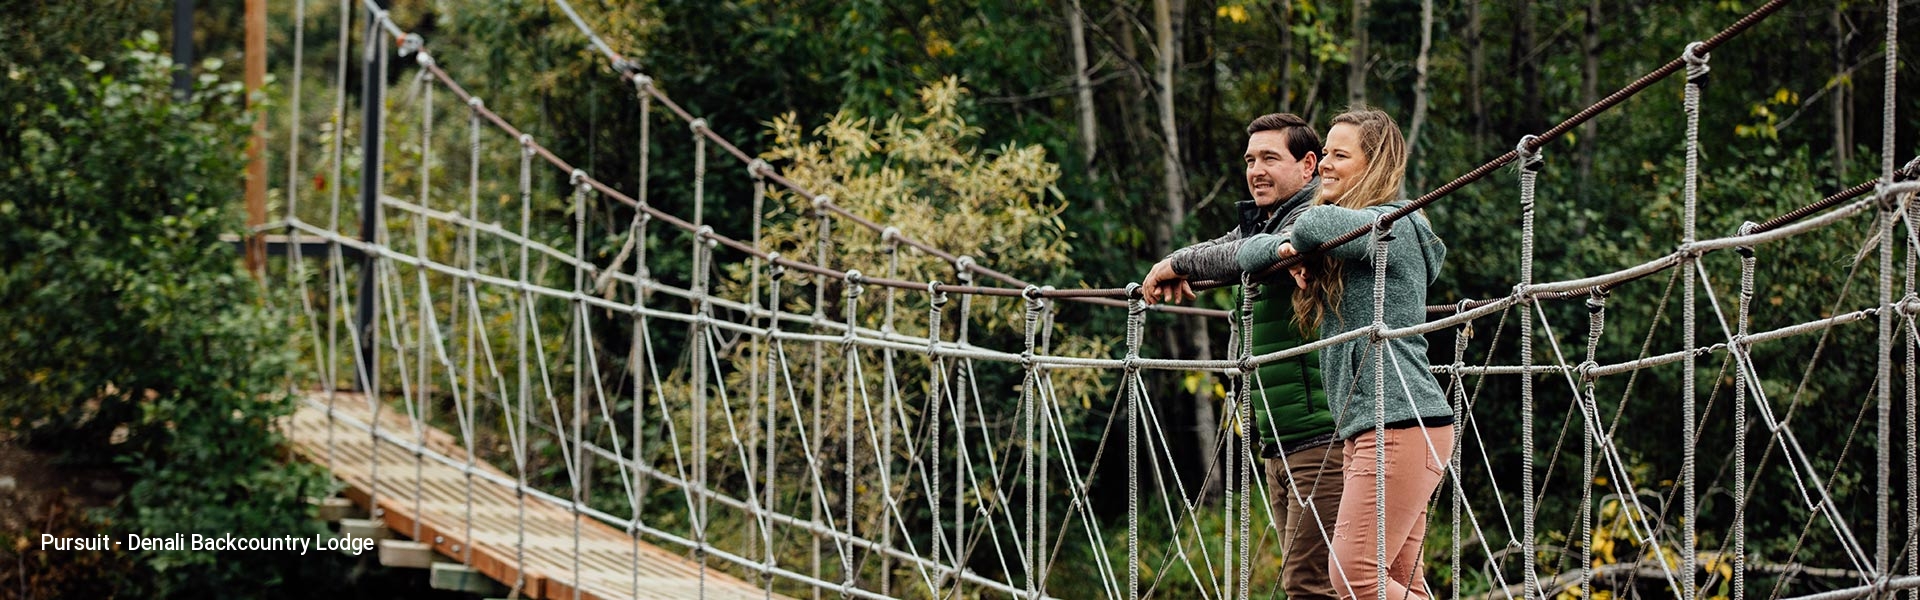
(1289, 404)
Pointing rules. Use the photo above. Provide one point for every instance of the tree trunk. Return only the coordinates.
(1416, 163)
(1527, 63)
(1283, 101)
(1174, 182)
(1841, 99)
(1357, 62)
(1589, 94)
(1476, 72)
(1083, 90)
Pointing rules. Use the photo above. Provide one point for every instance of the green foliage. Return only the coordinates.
(134, 338)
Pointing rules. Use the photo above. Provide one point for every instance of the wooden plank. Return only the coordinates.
(491, 544)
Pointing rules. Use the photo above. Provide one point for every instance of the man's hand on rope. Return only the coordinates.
(1298, 271)
(1162, 283)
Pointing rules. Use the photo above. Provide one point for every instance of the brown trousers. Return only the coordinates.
(1311, 476)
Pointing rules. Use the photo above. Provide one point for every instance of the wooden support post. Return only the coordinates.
(256, 76)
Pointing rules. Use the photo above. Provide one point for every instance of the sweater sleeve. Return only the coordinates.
(1212, 259)
(1322, 223)
(1259, 252)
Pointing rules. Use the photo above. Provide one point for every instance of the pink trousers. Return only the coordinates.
(1415, 458)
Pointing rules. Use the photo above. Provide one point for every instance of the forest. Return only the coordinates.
(1069, 143)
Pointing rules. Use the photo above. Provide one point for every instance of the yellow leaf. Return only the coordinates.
(1235, 13)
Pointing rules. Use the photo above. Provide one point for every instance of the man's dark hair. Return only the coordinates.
(1300, 139)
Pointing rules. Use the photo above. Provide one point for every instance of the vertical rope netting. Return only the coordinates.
(1690, 510)
(580, 341)
(1530, 163)
(638, 237)
(1382, 240)
(1031, 322)
(1741, 381)
(935, 386)
(376, 48)
(890, 399)
(1243, 397)
(1042, 557)
(472, 329)
(848, 350)
(1129, 380)
(757, 348)
(522, 311)
(1459, 398)
(1913, 407)
(822, 231)
(772, 420)
(1884, 449)
(1596, 325)
(961, 460)
(420, 275)
(699, 338)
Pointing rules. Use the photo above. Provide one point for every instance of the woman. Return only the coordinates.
(1360, 177)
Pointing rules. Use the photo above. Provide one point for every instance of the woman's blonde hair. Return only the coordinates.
(1386, 153)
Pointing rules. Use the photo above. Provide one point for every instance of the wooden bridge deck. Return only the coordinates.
(607, 555)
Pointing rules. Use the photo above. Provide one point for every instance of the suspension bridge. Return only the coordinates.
(743, 447)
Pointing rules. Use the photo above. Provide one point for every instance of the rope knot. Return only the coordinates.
(1696, 63)
(1908, 172)
(426, 63)
(1597, 301)
(1134, 293)
(476, 103)
(1383, 229)
(577, 178)
(526, 143)
(820, 202)
(1585, 370)
(759, 168)
(1521, 292)
(963, 266)
(642, 84)
(855, 285)
(696, 125)
(1530, 159)
(890, 235)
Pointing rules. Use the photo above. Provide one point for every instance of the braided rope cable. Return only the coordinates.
(335, 268)
(425, 298)
(473, 260)
(1530, 162)
(1884, 392)
(1457, 393)
(890, 401)
(1243, 401)
(1697, 70)
(849, 355)
(1913, 403)
(581, 330)
(1382, 240)
(1031, 324)
(1130, 381)
(520, 341)
(772, 438)
(701, 256)
(936, 387)
(1744, 320)
(1596, 325)
(376, 46)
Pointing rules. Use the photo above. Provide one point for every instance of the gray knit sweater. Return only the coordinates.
(1214, 259)
(1414, 257)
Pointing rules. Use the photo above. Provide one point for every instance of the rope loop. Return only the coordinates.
(696, 125)
(1597, 300)
(409, 44)
(526, 143)
(1383, 229)
(642, 84)
(476, 103)
(705, 232)
(1530, 159)
(1746, 229)
(1133, 293)
(759, 168)
(426, 64)
(890, 235)
(1032, 294)
(577, 177)
(1908, 172)
(939, 298)
(963, 266)
(820, 202)
(1696, 63)
(855, 287)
